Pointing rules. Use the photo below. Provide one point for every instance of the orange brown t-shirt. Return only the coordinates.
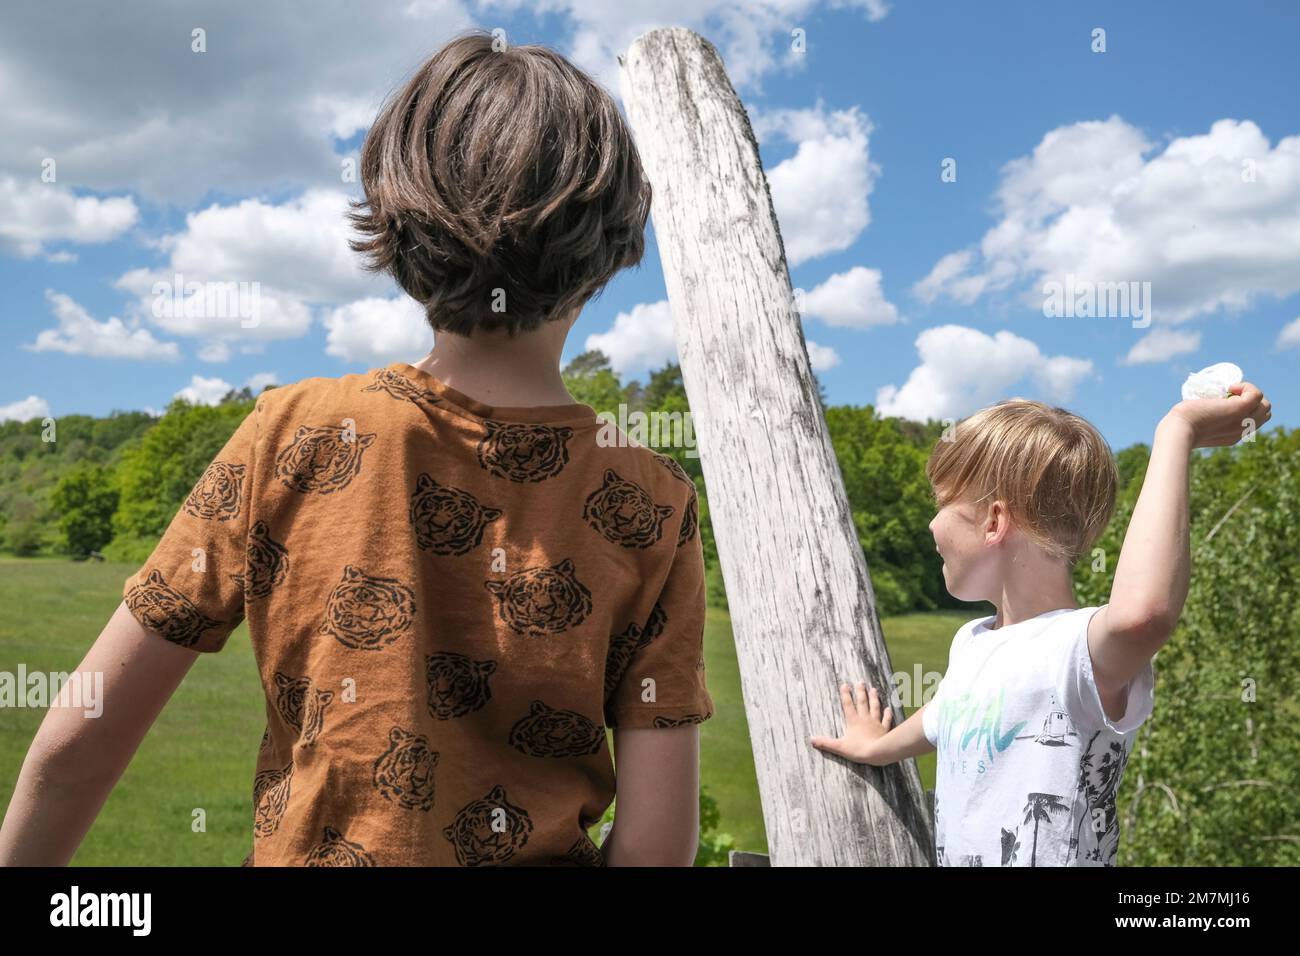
(448, 604)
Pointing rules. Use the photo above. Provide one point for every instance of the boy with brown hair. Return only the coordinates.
(1036, 714)
(452, 585)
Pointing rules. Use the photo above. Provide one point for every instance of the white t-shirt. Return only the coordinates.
(1028, 762)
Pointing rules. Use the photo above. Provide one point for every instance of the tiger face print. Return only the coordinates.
(322, 459)
(404, 773)
(218, 495)
(301, 705)
(682, 721)
(523, 452)
(447, 520)
(690, 520)
(549, 732)
(584, 852)
(625, 513)
(622, 647)
(336, 851)
(489, 831)
(457, 684)
(270, 797)
(368, 613)
(539, 601)
(399, 386)
(166, 611)
(656, 623)
(268, 563)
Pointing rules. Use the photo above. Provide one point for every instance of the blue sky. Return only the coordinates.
(1164, 159)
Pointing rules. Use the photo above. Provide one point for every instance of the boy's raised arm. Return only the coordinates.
(1154, 567)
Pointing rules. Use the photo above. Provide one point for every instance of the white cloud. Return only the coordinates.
(261, 110)
(963, 369)
(1289, 337)
(750, 35)
(259, 381)
(215, 350)
(640, 340)
(79, 334)
(1190, 219)
(276, 261)
(821, 357)
(258, 112)
(379, 331)
(948, 276)
(820, 193)
(204, 391)
(34, 214)
(876, 10)
(1160, 345)
(853, 299)
(25, 410)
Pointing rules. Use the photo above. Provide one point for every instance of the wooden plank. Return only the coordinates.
(802, 607)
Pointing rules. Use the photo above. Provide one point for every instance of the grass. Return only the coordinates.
(197, 762)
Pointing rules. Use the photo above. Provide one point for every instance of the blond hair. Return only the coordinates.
(1051, 468)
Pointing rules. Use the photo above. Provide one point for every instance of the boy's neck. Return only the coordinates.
(1028, 596)
(492, 368)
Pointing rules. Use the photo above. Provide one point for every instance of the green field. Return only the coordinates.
(202, 751)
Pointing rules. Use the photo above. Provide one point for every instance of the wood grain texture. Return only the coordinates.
(802, 606)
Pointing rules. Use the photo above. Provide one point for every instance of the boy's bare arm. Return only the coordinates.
(869, 735)
(1154, 568)
(657, 802)
(76, 759)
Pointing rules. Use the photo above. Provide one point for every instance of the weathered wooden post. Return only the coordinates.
(802, 606)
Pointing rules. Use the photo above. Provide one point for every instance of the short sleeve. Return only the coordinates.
(655, 672)
(930, 716)
(1078, 688)
(191, 589)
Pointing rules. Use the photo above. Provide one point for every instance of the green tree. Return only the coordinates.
(157, 472)
(85, 500)
(891, 503)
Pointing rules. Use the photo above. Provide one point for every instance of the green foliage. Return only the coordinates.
(34, 458)
(85, 500)
(1214, 779)
(23, 527)
(590, 380)
(157, 472)
(892, 505)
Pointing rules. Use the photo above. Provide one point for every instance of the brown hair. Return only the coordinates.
(507, 170)
(1052, 468)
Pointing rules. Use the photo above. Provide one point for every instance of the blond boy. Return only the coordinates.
(1035, 717)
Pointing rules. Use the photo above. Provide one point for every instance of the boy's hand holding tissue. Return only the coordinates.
(1218, 408)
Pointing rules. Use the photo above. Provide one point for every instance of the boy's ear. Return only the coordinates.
(998, 520)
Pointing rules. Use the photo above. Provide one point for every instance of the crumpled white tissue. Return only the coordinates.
(1212, 382)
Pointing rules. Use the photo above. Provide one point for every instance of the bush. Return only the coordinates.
(84, 500)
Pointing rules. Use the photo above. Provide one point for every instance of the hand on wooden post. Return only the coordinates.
(865, 722)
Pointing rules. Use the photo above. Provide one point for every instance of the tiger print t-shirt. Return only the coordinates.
(448, 604)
